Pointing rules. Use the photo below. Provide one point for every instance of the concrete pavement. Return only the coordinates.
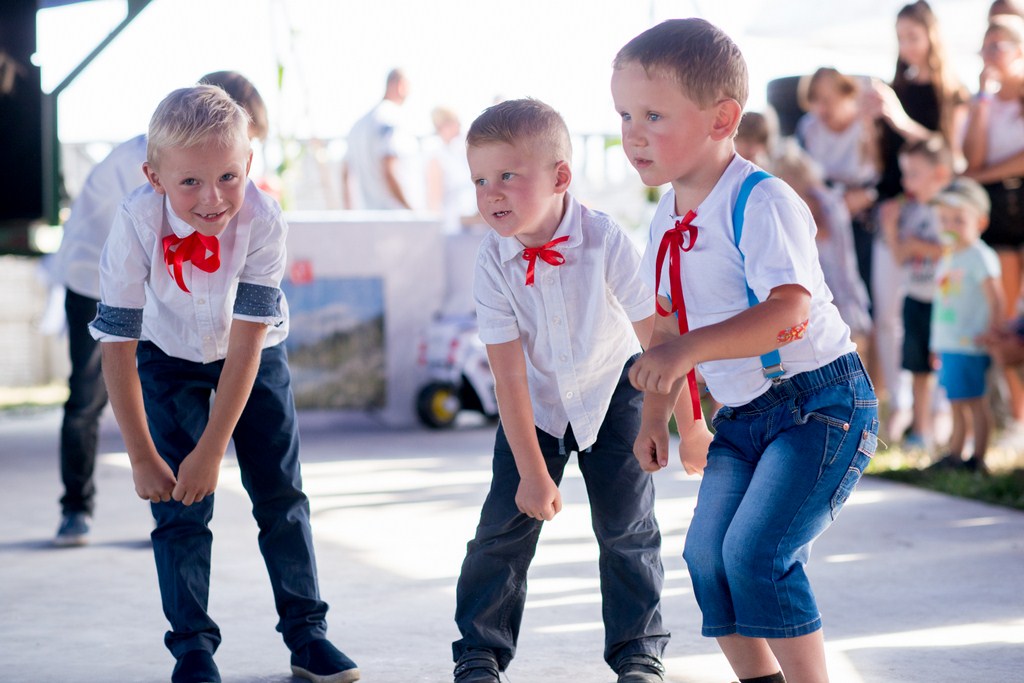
(913, 585)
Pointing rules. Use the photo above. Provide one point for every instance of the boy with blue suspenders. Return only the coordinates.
(800, 416)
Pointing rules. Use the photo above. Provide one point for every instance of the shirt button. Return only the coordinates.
(206, 338)
(563, 358)
(556, 320)
(550, 280)
(568, 394)
(201, 301)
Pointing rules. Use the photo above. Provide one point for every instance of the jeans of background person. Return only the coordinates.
(87, 397)
(779, 470)
(491, 591)
(177, 398)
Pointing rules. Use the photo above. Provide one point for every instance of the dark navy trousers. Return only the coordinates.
(177, 397)
(491, 592)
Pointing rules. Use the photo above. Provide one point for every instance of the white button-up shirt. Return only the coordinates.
(194, 326)
(574, 321)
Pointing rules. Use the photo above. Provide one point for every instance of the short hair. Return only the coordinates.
(517, 121)
(245, 93)
(759, 127)
(196, 115)
(807, 87)
(932, 149)
(1010, 25)
(705, 62)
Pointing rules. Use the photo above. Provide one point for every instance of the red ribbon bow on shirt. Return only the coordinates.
(193, 248)
(673, 243)
(546, 253)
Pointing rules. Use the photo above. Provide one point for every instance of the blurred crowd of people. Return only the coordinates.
(917, 188)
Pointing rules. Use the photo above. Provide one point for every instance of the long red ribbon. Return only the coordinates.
(546, 253)
(193, 248)
(673, 243)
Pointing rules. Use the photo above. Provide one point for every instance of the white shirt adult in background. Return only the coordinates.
(374, 171)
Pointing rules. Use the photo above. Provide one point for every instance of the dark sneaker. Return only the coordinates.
(976, 464)
(321, 662)
(195, 666)
(477, 666)
(641, 669)
(73, 530)
(947, 462)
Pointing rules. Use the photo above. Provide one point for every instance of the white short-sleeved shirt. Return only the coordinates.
(374, 137)
(141, 300)
(92, 214)
(839, 153)
(777, 248)
(574, 321)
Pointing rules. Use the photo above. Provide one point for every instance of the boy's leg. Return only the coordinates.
(86, 399)
(177, 399)
(491, 593)
(267, 446)
(622, 513)
(982, 420)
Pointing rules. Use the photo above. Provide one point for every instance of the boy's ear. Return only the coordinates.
(563, 176)
(727, 119)
(153, 177)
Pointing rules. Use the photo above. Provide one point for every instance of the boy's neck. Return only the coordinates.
(546, 232)
(693, 190)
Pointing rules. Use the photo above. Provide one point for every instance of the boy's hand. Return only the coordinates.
(659, 369)
(693, 447)
(197, 476)
(154, 480)
(539, 498)
(651, 446)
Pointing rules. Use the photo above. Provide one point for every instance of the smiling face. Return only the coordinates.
(961, 225)
(834, 107)
(1001, 52)
(520, 189)
(205, 184)
(665, 135)
(922, 179)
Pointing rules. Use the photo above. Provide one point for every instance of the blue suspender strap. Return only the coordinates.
(771, 362)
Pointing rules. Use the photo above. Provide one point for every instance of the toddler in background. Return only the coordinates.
(910, 233)
(968, 275)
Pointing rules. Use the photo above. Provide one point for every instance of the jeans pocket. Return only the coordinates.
(861, 459)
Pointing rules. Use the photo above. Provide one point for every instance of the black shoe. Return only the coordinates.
(946, 463)
(477, 666)
(641, 668)
(321, 662)
(195, 666)
(976, 464)
(73, 531)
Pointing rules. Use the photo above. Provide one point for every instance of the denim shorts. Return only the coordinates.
(779, 470)
(962, 375)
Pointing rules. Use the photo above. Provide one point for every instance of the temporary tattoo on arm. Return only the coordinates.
(792, 333)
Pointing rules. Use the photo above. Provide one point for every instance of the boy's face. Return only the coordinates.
(834, 108)
(664, 133)
(962, 225)
(519, 189)
(205, 184)
(921, 179)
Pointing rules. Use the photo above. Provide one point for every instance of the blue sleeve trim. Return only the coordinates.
(257, 301)
(119, 322)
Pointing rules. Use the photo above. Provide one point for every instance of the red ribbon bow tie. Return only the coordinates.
(193, 248)
(546, 253)
(673, 243)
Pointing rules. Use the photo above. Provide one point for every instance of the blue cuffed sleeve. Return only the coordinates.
(259, 303)
(111, 321)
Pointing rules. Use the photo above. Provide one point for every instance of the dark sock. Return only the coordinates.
(774, 678)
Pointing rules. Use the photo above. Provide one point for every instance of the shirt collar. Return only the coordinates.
(571, 225)
(179, 226)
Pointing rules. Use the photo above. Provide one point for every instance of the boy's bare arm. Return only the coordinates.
(153, 478)
(644, 330)
(771, 324)
(651, 446)
(198, 473)
(538, 496)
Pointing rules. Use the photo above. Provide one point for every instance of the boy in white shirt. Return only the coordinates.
(556, 290)
(191, 304)
(798, 426)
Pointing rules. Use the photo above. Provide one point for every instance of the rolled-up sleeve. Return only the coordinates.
(258, 298)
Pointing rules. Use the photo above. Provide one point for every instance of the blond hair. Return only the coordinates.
(201, 114)
(807, 89)
(697, 54)
(516, 122)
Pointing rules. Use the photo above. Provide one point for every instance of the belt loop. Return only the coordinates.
(561, 445)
